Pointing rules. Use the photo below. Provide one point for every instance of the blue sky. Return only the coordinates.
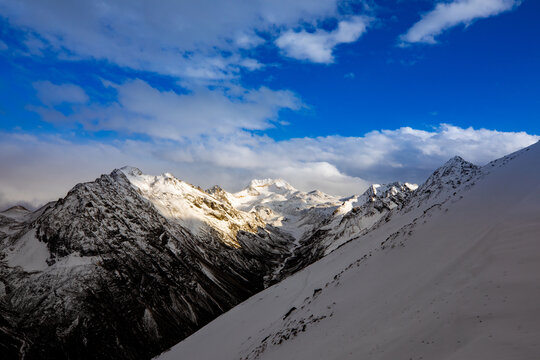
(327, 94)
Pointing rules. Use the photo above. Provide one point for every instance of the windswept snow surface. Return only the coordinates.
(454, 276)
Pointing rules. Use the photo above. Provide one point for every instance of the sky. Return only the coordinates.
(327, 94)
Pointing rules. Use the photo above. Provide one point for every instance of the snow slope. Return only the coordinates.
(454, 275)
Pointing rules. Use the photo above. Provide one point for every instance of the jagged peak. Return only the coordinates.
(456, 158)
(16, 212)
(454, 167)
(214, 189)
(392, 188)
(131, 170)
(218, 193)
(451, 175)
(166, 182)
(411, 186)
(457, 161)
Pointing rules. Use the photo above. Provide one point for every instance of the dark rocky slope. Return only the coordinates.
(120, 281)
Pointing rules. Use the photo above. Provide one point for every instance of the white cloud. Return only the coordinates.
(379, 156)
(448, 15)
(52, 94)
(40, 169)
(318, 46)
(247, 40)
(182, 38)
(35, 170)
(142, 109)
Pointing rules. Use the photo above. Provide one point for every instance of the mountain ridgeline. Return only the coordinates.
(450, 271)
(128, 265)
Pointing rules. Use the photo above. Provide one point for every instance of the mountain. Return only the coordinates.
(281, 205)
(128, 265)
(452, 272)
(456, 174)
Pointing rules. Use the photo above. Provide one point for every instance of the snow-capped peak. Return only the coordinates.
(16, 212)
(452, 172)
(273, 185)
(455, 165)
(280, 204)
(455, 174)
(278, 195)
(410, 186)
(391, 189)
(192, 207)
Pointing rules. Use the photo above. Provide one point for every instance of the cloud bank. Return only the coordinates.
(50, 166)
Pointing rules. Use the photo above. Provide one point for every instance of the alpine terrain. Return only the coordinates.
(130, 264)
(126, 266)
(452, 271)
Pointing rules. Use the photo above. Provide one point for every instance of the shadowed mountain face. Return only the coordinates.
(128, 265)
(102, 274)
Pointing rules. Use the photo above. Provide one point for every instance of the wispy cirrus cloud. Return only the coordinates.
(447, 15)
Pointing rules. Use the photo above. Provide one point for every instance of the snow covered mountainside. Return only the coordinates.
(128, 265)
(452, 272)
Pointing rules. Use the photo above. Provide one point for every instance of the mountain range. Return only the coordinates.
(130, 264)
(453, 273)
